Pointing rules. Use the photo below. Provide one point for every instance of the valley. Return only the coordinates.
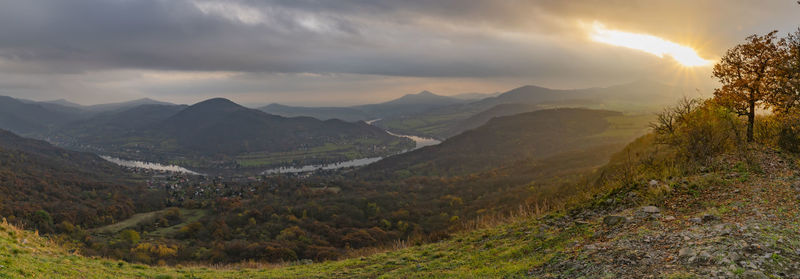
(399, 139)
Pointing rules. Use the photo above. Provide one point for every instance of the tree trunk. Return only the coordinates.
(751, 119)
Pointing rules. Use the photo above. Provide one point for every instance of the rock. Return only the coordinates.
(734, 257)
(703, 258)
(653, 183)
(753, 274)
(710, 218)
(613, 220)
(669, 218)
(686, 252)
(722, 229)
(696, 220)
(650, 209)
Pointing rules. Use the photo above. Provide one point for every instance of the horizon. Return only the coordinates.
(310, 105)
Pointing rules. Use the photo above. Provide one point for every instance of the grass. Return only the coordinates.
(189, 215)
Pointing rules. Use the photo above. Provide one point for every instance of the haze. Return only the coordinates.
(356, 52)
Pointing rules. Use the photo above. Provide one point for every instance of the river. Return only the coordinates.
(420, 142)
(148, 165)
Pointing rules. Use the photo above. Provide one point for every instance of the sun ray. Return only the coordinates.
(684, 55)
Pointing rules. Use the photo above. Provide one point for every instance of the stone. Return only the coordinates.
(754, 274)
(613, 220)
(696, 220)
(710, 218)
(651, 209)
(653, 183)
(686, 252)
(703, 258)
(734, 257)
(669, 218)
(722, 229)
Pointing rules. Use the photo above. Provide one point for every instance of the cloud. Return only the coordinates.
(69, 41)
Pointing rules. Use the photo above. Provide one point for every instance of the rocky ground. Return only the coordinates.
(736, 222)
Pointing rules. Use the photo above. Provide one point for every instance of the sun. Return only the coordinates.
(684, 55)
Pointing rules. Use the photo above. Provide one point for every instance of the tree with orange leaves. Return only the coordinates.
(748, 75)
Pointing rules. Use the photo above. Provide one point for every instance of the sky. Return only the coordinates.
(340, 52)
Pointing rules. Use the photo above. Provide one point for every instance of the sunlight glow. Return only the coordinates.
(684, 55)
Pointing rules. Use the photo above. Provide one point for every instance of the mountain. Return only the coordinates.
(482, 117)
(408, 105)
(321, 113)
(113, 124)
(474, 96)
(636, 97)
(401, 107)
(124, 105)
(62, 102)
(32, 118)
(507, 139)
(79, 188)
(218, 133)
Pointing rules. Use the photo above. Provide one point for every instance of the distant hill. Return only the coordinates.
(124, 105)
(40, 119)
(62, 102)
(640, 96)
(77, 187)
(521, 137)
(221, 126)
(221, 131)
(474, 96)
(408, 105)
(114, 124)
(404, 106)
(482, 117)
(321, 113)
(29, 118)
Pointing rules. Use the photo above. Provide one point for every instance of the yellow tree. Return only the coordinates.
(747, 73)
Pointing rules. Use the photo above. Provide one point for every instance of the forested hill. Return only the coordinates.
(43, 186)
(504, 140)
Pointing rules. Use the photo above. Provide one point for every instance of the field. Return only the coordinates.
(188, 216)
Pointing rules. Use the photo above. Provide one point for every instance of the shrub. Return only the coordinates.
(699, 130)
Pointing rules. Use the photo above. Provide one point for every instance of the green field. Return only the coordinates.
(188, 216)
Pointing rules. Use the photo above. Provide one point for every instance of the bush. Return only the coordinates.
(789, 132)
(699, 130)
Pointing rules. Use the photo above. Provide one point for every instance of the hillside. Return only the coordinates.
(636, 97)
(505, 140)
(409, 104)
(32, 118)
(75, 187)
(481, 118)
(321, 113)
(404, 106)
(735, 220)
